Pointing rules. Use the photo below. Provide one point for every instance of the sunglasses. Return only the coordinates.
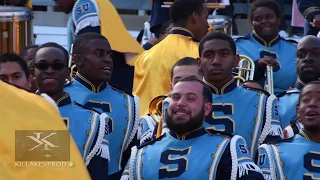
(54, 66)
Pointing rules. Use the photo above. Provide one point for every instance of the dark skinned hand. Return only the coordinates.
(316, 21)
(267, 60)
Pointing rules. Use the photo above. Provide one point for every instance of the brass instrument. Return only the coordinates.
(155, 108)
(269, 79)
(246, 69)
(71, 65)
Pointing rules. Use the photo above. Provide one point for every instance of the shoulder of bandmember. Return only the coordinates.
(281, 140)
(290, 41)
(289, 91)
(151, 141)
(85, 107)
(256, 90)
(119, 89)
(242, 37)
(221, 133)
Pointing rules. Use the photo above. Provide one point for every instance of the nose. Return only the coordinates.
(308, 58)
(181, 102)
(50, 70)
(215, 60)
(314, 102)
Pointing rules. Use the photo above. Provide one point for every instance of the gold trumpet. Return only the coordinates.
(155, 108)
(71, 65)
(269, 79)
(246, 69)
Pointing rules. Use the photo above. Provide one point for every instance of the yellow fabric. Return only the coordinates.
(29, 4)
(153, 67)
(20, 110)
(114, 30)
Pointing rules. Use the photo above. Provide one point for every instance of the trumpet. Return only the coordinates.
(246, 69)
(71, 65)
(155, 108)
(269, 79)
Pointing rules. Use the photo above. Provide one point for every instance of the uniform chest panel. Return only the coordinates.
(189, 159)
(300, 159)
(287, 108)
(236, 112)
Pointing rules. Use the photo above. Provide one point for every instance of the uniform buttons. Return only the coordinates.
(126, 106)
(90, 121)
(88, 132)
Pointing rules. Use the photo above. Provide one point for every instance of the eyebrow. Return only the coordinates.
(216, 50)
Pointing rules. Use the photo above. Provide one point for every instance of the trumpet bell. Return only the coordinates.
(245, 69)
(155, 108)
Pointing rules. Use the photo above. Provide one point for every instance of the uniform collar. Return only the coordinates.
(64, 100)
(299, 84)
(89, 85)
(189, 135)
(229, 86)
(302, 133)
(264, 42)
(183, 32)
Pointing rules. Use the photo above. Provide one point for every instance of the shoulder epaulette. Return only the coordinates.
(257, 90)
(281, 94)
(117, 88)
(85, 107)
(290, 40)
(282, 140)
(152, 141)
(214, 132)
(242, 37)
(293, 91)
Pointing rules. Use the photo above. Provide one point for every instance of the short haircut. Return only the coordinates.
(24, 51)
(11, 57)
(80, 43)
(220, 36)
(271, 4)
(186, 61)
(165, 26)
(206, 92)
(180, 10)
(55, 45)
(310, 83)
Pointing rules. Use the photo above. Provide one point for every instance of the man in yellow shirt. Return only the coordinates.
(152, 68)
(21, 110)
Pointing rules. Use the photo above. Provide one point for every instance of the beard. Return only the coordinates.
(313, 129)
(308, 77)
(193, 123)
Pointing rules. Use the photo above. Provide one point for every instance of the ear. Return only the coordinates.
(32, 72)
(207, 108)
(237, 59)
(77, 60)
(199, 63)
(195, 18)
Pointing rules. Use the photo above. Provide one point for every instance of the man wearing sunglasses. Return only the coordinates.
(88, 129)
(92, 55)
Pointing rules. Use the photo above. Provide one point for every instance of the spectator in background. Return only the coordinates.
(27, 54)
(26, 3)
(310, 9)
(14, 70)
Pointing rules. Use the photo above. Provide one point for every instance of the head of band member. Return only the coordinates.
(218, 58)
(264, 17)
(308, 59)
(185, 67)
(65, 5)
(192, 15)
(191, 102)
(93, 56)
(27, 53)
(165, 30)
(309, 109)
(14, 70)
(51, 69)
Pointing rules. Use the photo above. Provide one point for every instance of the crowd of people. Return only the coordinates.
(183, 113)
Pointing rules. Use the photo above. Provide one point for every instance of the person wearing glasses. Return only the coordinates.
(51, 70)
(14, 70)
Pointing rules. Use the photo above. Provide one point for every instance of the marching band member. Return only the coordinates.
(308, 69)
(265, 47)
(189, 18)
(310, 9)
(250, 113)
(93, 56)
(21, 110)
(88, 129)
(297, 157)
(14, 70)
(185, 67)
(188, 151)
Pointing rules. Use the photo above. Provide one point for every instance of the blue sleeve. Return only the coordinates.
(89, 29)
(309, 8)
(237, 150)
(266, 162)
